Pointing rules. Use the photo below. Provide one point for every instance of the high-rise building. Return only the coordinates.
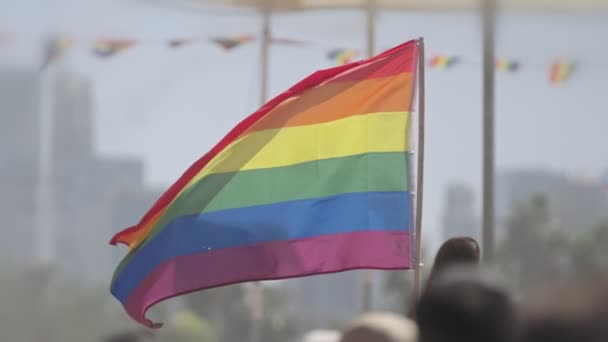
(573, 205)
(321, 301)
(88, 192)
(89, 189)
(459, 217)
(73, 165)
(19, 163)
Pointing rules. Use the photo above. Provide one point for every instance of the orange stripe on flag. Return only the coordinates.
(335, 101)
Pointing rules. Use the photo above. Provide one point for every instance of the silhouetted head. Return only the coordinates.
(465, 308)
(455, 252)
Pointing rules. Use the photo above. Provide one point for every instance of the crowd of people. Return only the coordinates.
(462, 303)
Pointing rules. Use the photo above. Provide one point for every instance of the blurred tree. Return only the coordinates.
(279, 324)
(34, 306)
(225, 308)
(535, 249)
(399, 286)
(589, 252)
(186, 326)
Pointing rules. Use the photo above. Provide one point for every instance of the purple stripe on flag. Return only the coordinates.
(271, 260)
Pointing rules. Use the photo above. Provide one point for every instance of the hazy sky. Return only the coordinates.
(171, 106)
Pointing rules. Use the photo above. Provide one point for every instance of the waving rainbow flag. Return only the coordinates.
(315, 181)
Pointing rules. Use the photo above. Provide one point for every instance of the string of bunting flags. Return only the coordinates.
(560, 70)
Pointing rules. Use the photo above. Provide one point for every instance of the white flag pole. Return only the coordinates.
(419, 174)
(368, 275)
(257, 303)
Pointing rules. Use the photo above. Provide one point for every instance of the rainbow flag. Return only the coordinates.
(561, 70)
(342, 56)
(315, 181)
(503, 64)
(229, 43)
(443, 61)
(110, 47)
(55, 48)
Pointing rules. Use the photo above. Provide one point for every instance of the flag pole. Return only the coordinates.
(44, 216)
(489, 14)
(368, 275)
(257, 306)
(419, 174)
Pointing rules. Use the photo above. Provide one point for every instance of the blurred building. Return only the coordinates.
(73, 167)
(19, 161)
(331, 300)
(321, 302)
(604, 181)
(93, 196)
(459, 217)
(575, 204)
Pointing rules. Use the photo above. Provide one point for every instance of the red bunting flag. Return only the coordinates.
(4, 38)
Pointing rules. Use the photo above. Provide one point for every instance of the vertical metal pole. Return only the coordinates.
(264, 52)
(419, 174)
(489, 16)
(257, 309)
(368, 275)
(371, 27)
(45, 215)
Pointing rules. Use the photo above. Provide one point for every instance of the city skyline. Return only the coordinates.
(169, 107)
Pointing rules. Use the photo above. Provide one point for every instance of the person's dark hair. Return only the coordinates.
(465, 310)
(453, 252)
(457, 251)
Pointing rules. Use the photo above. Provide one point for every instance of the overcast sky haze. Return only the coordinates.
(170, 106)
